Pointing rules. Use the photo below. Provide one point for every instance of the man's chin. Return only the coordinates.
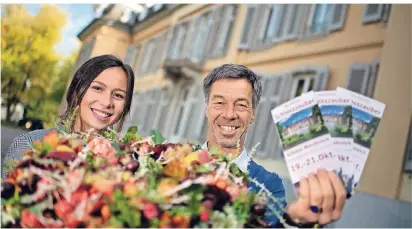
(227, 144)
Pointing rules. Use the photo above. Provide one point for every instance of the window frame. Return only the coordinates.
(376, 17)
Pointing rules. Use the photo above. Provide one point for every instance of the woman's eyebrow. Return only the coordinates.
(104, 85)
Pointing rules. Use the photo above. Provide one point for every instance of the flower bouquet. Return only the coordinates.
(88, 180)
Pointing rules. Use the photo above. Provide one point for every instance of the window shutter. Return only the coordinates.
(321, 79)
(386, 13)
(148, 56)
(408, 153)
(181, 40)
(193, 36)
(372, 79)
(264, 23)
(206, 23)
(172, 42)
(271, 143)
(281, 16)
(157, 54)
(293, 21)
(130, 55)
(225, 30)
(372, 13)
(338, 17)
(162, 111)
(358, 78)
(134, 110)
(248, 27)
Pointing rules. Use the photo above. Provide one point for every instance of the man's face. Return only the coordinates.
(229, 111)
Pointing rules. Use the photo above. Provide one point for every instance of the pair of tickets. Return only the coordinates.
(333, 130)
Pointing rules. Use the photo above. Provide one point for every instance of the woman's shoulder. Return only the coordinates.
(35, 135)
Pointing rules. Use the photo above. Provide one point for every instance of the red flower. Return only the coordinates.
(28, 219)
(204, 216)
(150, 211)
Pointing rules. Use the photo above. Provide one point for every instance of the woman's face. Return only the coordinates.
(104, 100)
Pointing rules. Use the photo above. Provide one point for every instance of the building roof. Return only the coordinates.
(135, 18)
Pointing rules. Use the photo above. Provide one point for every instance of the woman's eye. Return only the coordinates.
(96, 88)
(119, 96)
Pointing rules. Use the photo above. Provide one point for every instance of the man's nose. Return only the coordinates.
(229, 112)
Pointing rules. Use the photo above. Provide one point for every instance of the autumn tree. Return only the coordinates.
(47, 109)
(28, 58)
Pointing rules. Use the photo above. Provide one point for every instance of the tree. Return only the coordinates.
(47, 110)
(280, 130)
(28, 59)
(316, 115)
(347, 114)
(373, 126)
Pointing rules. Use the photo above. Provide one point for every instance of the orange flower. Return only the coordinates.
(52, 138)
(175, 169)
(165, 185)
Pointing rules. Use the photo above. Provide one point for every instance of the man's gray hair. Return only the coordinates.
(233, 71)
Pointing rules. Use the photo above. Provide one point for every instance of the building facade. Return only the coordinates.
(294, 48)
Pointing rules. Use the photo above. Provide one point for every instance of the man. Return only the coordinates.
(232, 93)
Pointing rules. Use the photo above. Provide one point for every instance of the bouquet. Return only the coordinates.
(89, 180)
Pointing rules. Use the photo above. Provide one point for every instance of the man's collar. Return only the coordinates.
(242, 160)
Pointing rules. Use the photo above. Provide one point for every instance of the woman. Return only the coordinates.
(99, 96)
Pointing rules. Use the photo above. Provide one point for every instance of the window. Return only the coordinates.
(266, 25)
(362, 78)
(308, 79)
(376, 13)
(324, 18)
(221, 36)
(153, 54)
(178, 40)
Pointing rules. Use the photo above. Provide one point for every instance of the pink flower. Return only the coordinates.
(150, 210)
(103, 148)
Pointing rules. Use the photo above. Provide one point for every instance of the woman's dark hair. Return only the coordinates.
(85, 75)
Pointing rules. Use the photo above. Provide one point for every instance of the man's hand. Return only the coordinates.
(321, 198)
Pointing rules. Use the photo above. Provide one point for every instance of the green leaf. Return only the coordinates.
(157, 137)
(130, 135)
(132, 130)
(154, 223)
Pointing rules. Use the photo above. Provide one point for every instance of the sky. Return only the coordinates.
(303, 114)
(332, 109)
(79, 16)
